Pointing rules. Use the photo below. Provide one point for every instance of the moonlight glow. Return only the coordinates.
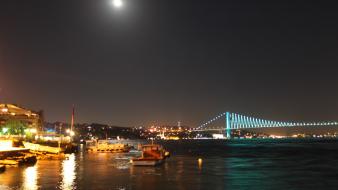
(117, 3)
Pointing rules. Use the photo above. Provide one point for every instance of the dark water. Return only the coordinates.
(246, 164)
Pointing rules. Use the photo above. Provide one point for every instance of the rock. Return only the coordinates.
(2, 168)
(30, 160)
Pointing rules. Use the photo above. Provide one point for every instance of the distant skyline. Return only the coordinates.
(160, 62)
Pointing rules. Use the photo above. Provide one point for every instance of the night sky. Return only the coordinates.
(163, 61)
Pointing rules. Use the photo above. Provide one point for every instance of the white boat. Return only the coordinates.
(42, 148)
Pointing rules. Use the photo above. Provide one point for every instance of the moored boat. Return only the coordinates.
(146, 161)
(105, 146)
(152, 155)
(41, 148)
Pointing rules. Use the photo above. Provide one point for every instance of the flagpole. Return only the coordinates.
(72, 123)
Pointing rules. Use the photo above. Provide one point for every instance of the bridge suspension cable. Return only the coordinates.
(238, 121)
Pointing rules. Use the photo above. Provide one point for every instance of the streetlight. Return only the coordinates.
(71, 133)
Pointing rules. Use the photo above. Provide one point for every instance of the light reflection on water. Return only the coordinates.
(223, 166)
(30, 178)
(68, 173)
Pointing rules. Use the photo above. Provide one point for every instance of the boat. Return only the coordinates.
(152, 155)
(41, 148)
(106, 146)
(18, 160)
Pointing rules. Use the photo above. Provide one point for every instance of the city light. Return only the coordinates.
(4, 110)
(5, 144)
(4, 130)
(71, 133)
(33, 130)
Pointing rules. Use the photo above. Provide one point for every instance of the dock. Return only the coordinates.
(13, 149)
(16, 156)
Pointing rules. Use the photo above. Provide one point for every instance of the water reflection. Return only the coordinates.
(199, 161)
(305, 166)
(30, 178)
(68, 173)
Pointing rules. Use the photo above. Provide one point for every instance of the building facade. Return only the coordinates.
(13, 112)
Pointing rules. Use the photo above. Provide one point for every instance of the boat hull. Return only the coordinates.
(147, 162)
(41, 148)
(108, 150)
(105, 146)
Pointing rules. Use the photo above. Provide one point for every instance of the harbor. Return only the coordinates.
(231, 165)
(166, 95)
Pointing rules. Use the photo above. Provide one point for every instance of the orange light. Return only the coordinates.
(4, 110)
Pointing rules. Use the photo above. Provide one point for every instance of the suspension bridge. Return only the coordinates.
(238, 121)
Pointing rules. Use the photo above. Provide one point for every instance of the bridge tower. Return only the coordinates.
(227, 125)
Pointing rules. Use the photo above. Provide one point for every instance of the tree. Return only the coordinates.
(15, 127)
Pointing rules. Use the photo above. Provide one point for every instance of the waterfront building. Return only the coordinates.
(31, 118)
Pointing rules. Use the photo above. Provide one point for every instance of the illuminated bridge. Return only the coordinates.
(238, 121)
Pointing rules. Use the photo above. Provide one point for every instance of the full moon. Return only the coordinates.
(117, 3)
